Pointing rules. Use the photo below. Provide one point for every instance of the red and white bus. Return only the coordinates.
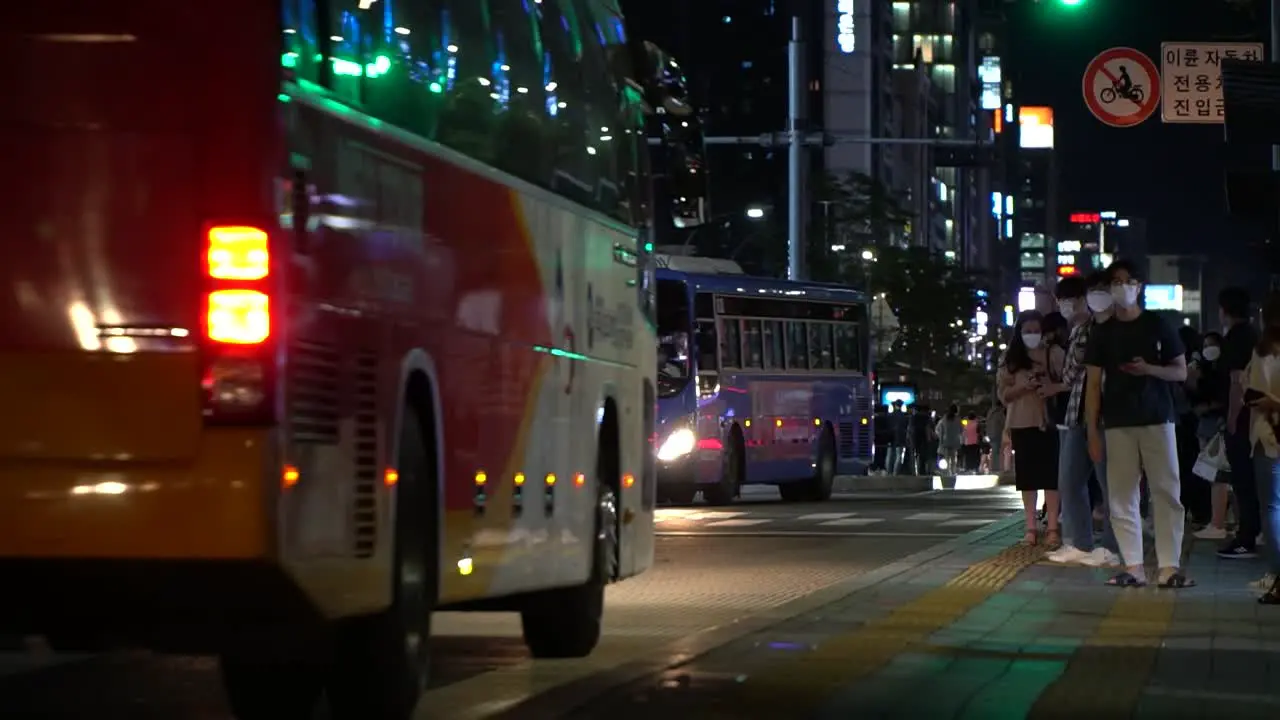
(317, 316)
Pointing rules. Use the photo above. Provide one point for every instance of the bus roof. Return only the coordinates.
(748, 286)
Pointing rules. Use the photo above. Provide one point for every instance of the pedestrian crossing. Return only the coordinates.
(694, 518)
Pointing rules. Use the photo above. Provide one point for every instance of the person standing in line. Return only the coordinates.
(995, 435)
(1132, 360)
(1081, 301)
(971, 447)
(1238, 343)
(901, 430)
(1195, 492)
(1262, 394)
(1208, 388)
(1023, 375)
(950, 438)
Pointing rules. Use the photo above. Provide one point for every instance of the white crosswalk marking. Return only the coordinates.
(738, 522)
(971, 522)
(851, 522)
(714, 515)
(825, 516)
(931, 517)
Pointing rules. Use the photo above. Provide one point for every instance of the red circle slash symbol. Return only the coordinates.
(1121, 86)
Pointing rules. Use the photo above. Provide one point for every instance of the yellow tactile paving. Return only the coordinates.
(814, 676)
(1111, 670)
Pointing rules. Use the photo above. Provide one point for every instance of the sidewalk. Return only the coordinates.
(990, 630)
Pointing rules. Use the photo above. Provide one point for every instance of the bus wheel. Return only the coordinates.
(566, 622)
(727, 488)
(793, 491)
(680, 494)
(259, 689)
(381, 660)
(824, 473)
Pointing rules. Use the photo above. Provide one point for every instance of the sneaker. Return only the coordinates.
(1102, 557)
(1237, 551)
(1068, 555)
(1263, 583)
(1211, 533)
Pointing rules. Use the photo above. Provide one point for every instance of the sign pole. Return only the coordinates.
(795, 155)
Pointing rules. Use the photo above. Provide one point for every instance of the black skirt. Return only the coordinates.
(1035, 458)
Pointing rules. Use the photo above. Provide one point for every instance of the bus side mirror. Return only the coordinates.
(677, 140)
(685, 169)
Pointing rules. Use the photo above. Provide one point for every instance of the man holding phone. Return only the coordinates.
(1131, 362)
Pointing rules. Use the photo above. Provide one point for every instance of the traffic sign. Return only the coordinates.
(1121, 86)
(1191, 87)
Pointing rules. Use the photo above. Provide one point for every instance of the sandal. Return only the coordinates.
(1271, 596)
(1126, 580)
(1031, 537)
(1176, 581)
(1053, 538)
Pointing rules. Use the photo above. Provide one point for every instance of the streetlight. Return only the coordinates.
(868, 255)
(755, 213)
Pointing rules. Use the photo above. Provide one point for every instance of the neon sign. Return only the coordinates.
(845, 37)
(1083, 218)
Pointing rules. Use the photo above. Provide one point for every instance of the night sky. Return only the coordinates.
(1170, 174)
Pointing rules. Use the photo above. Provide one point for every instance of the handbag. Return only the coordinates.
(1212, 459)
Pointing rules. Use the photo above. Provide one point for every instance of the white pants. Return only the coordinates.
(1130, 451)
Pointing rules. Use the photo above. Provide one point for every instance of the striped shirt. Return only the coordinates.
(1074, 371)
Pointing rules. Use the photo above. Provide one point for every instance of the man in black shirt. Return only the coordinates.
(1132, 361)
(1237, 350)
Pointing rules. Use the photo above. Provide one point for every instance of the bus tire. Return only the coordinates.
(680, 494)
(382, 660)
(566, 622)
(257, 688)
(819, 487)
(727, 488)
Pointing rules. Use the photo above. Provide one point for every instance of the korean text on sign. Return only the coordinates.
(1191, 78)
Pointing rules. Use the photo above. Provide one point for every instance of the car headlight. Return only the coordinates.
(678, 444)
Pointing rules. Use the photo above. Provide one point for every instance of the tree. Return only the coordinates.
(855, 212)
(933, 301)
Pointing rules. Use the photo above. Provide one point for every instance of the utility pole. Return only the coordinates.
(796, 154)
(1275, 58)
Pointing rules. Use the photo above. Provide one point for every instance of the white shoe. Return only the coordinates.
(1211, 533)
(1101, 557)
(1068, 555)
(1263, 583)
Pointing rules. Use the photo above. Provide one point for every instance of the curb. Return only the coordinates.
(849, 484)
(564, 699)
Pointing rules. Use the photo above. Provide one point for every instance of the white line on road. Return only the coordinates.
(851, 522)
(826, 516)
(739, 522)
(975, 522)
(931, 517)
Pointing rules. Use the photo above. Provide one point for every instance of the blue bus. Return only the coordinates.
(760, 381)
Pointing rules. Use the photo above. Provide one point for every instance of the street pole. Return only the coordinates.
(796, 153)
(1275, 57)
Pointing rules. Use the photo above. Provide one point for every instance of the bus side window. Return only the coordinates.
(409, 87)
(301, 39)
(773, 344)
(730, 343)
(797, 346)
(469, 117)
(846, 348)
(523, 125)
(752, 344)
(820, 346)
(706, 339)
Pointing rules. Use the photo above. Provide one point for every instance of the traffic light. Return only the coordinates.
(1071, 3)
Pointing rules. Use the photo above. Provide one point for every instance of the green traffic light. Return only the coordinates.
(1071, 3)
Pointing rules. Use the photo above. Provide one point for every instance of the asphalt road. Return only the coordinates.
(714, 567)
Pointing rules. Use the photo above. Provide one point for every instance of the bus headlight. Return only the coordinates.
(678, 444)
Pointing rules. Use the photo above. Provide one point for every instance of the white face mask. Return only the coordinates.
(1067, 308)
(1099, 300)
(1125, 295)
(1031, 340)
(1212, 352)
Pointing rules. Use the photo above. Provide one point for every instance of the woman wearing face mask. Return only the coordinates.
(1262, 395)
(1026, 370)
(1207, 385)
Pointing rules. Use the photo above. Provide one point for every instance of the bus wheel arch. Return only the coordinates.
(383, 658)
(567, 622)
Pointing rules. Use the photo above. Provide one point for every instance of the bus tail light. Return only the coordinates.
(238, 317)
(237, 252)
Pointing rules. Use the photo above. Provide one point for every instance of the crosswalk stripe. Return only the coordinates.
(714, 515)
(971, 522)
(826, 516)
(851, 522)
(736, 522)
(931, 517)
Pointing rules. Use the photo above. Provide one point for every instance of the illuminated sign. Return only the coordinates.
(845, 38)
(1066, 259)
(1163, 297)
(1069, 246)
(1026, 299)
(989, 73)
(1067, 270)
(1081, 218)
(1036, 127)
(997, 204)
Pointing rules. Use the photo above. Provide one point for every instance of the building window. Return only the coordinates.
(1031, 261)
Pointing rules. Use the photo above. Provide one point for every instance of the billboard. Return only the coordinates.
(1163, 297)
(1035, 124)
(989, 74)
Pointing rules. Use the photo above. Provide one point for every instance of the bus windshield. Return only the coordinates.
(674, 367)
